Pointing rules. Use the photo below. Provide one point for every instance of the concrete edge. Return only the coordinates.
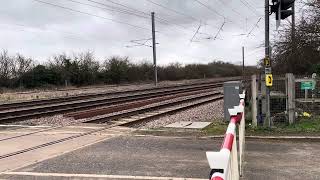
(285, 137)
(222, 136)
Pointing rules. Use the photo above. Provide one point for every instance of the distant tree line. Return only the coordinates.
(84, 69)
(300, 54)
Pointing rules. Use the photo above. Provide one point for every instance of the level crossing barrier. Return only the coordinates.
(227, 164)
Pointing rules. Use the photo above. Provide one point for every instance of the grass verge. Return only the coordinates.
(303, 127)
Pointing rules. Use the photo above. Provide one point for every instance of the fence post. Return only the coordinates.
(254, 91)
(290, 91)
(242, 142)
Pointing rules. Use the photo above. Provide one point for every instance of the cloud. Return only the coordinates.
(40, 31)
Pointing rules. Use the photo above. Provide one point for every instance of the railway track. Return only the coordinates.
(34, 111)
(126, 118)
(41, 102)
(159, 109)
(130, 105)
(123, 109)
(136, 113)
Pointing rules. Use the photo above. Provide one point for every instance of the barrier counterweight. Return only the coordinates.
(225, 164)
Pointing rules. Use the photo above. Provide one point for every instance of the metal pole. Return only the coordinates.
(293, 23)
(154, 50)
(267, 55)
(243, 63)
(267, 28)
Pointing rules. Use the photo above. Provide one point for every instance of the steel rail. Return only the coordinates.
(151, 108)
(33, 112)
(21, 104)
(108, 126)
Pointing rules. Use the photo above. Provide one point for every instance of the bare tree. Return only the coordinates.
(6, 68)
(22, 65)
(300, 54)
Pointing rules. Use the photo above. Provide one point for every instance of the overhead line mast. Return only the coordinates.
(154, 49)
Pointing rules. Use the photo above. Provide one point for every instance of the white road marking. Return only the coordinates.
(95, 176)
(25, 126)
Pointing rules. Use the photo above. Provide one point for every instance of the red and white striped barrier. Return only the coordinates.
(224, 164)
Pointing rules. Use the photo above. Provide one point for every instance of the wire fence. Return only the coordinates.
(278, 99)
(307, 101)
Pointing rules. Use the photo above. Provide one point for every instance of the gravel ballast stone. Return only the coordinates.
(203, 113)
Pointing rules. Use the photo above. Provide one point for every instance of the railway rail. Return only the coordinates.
(130, 105)
(136, 111)
(126, 118)
(44, 110)
(124, 108)
(40, 102)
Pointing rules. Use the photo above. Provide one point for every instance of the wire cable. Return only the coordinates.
(233, 10)
(147, 14)
(179, 13)
(125, 11)
(250, 7)
(93, 15)
(211, 9)
(216, 12)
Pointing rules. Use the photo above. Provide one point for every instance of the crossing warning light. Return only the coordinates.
(282, 9)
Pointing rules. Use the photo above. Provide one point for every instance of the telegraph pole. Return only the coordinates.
(267, 121)
(154, 50)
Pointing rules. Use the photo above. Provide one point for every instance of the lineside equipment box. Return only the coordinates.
(231, 91)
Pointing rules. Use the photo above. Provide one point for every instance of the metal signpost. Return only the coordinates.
(306, 86)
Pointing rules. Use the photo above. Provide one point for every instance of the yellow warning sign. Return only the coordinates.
(267, 61)
(269, 79)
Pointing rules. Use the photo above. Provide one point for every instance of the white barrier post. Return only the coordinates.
(224, 164)
(242, 130)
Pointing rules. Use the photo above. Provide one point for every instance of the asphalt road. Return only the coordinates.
(178, 157)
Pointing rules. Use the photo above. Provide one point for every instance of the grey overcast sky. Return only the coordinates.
(40, 30)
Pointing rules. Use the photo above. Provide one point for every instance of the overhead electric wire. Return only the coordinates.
(125, 11)
(236, 12)
(133, 9)
(216, 12)
(93, 15)
(233, 10)
(119, 4)
(211, 9)
(172, 10)
(177, 12)
(108, 9)
(250, 7)
(128, 11)
(256, 25)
